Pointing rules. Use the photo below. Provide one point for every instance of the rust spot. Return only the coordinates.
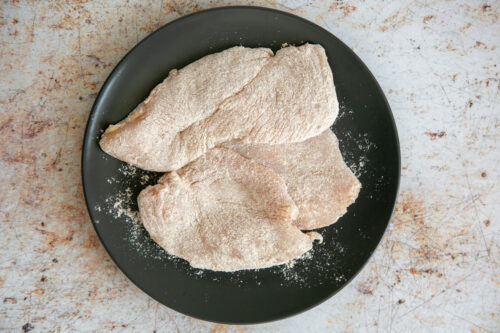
(470, 103)
(94, 57)
(484, 174)
(6, 124)
(427, 247)
(345, 8)
(55, 261)
(27, 327)
(219, 328)
(434, 135)
(465, 27)
(170, 7)
(487, 223)
(455, 255)
(183, 8)
(480, 44)
(43, 278)
(11, 300)
(92, 241)
(70, 212)
(55, 239)
(366, 288)
(36, 127)
(56, 159)
(39, 291)
(428, 18)
(66, 23)
(485, 7)
(18, 157)
(394, 21)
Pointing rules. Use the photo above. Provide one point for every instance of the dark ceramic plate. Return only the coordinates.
(369, 142)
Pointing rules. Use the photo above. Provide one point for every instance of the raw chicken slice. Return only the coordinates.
(184, 97)
(316, 176)
(291, 99)
(224, 212)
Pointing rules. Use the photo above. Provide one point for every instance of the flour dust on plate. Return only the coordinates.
(248, 296)
(250, 159)
(122, 207)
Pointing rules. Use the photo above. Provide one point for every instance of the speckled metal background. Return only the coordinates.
(437, 268)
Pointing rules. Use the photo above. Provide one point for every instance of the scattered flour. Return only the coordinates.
(357, 160)
(127, 170)
(313, 268)
(122, 206)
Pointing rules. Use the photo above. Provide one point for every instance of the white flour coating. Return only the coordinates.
(187, 97)
(294, 272)
(121, 206)
(315, 174)
(184, 117)
(224, 212)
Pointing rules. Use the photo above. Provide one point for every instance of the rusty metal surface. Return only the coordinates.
(437, 268)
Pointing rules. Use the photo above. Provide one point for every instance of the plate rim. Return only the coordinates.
(105, 86)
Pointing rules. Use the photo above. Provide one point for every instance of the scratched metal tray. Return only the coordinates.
(368, 140)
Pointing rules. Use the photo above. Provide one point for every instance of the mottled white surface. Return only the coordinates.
(437, 268)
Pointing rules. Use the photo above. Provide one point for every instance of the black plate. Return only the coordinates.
(369, 143)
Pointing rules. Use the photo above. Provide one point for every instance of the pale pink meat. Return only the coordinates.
(317, 178)
(240, 93)
(224, 212)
